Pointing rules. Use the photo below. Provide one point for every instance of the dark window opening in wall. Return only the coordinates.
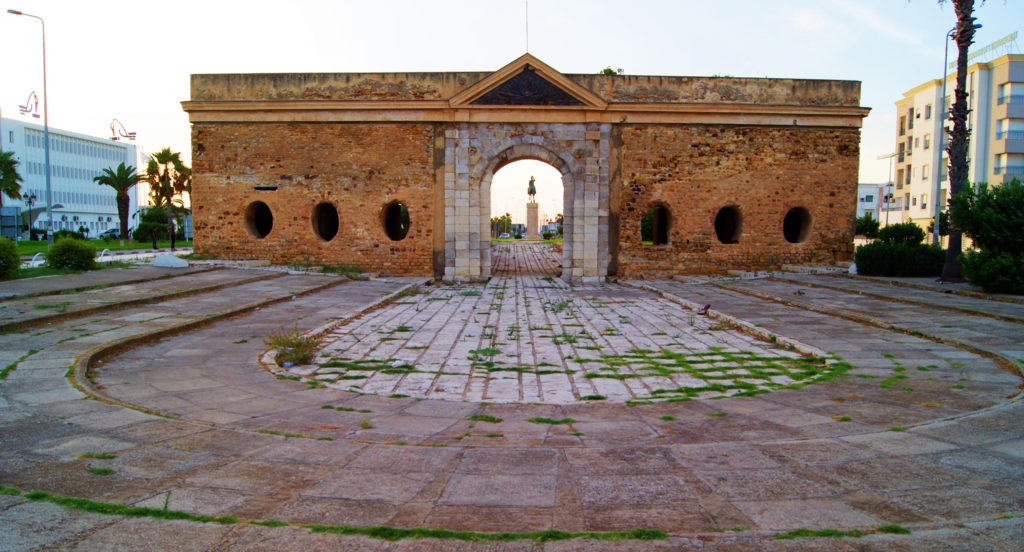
(396, 220)
(797, 225)
(654, 226)
(258, 219)
(325, 221)
(728, 225)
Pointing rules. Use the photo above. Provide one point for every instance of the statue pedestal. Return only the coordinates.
(532, 225)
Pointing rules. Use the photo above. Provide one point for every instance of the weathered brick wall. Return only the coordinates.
(358, 168)
(696, 170)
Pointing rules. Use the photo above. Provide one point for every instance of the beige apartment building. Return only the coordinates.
(996, 123)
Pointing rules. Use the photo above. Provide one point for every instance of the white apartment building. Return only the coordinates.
(74, 160)
(996, 124)
(869, 199)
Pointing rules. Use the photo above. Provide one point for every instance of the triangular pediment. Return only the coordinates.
(526, 82)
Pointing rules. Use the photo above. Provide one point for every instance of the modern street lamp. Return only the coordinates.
(46, 131)
(887, 198)
(937, 190)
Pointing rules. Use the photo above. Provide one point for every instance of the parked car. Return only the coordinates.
(504, 236)
(110, 233)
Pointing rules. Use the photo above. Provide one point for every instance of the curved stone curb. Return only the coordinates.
(965, 292)
(996, 316)
(739, 323)
(268, 360)
(78, 373)
(1002, 361)
(70, 315)
(86, 288)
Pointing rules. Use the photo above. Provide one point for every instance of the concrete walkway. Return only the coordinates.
(916, 433)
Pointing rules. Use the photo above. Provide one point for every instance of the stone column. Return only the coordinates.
(532, 226)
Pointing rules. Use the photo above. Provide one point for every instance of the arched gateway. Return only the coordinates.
(392, 171)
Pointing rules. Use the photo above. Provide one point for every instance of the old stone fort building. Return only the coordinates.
(392, 171)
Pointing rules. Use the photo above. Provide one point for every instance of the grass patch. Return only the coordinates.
(593, 398)
(893, 529)
(240, 341)
(106, 508)
(9, 491)
(292, 346)
(485, 418)
(280, 433)
(366, 424)
(98, 455)
(14, 365)
(396, 533)
(667, 418)
(812, 533)
(100, 470)
(897, 429)
(269, 523)
(470, 293)
(720, 414)
(551, 421)
(842, 418)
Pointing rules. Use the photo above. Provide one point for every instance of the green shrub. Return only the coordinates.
(867, 227)
(142, 233)
(10, 261)
(996, 272)
(993, 219)
(547, 235)
(71, 254)
(904, 232)
(60, 234)
(899, 259)
(899, 252)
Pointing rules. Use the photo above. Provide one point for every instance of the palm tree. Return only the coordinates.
(168, 177)
(121, 180)
(957, 147)
(10, 180)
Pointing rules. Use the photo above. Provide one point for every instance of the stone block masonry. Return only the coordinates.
(392, 172)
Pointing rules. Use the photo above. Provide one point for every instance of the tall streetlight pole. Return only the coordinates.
(46, 131)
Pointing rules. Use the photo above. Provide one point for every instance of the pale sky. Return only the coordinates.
(131, 60)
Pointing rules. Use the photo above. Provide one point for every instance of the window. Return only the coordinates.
(924, 172)
(910, 118)
(395, 219)
(903, 126)
(928, 111)
(917, 142)
(10, 136)
(325, 221)
(870, 198)
(655, 225)
(927, 141)
(906, 202)
(913, 201)
(727, 225)
(796, 225)
(924, 201)
(258, 219)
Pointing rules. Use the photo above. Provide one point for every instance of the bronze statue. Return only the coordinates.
(532, 191)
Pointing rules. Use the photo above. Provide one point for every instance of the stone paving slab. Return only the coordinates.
(250, 445)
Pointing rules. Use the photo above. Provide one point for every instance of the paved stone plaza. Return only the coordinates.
(913, 423)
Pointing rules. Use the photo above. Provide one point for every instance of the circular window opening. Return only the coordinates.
(728, 224)
(797, 225)
(325, 221)
(396, 220)
(258, 219)
(655, 225)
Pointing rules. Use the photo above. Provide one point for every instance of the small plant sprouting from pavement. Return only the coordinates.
(818, 533)
(292, 346)
(667, 418)
(897, 429)
(240, 341)
(842, 418)
(720, 414)
(100, 470)
(593, 398)
(485, 418)
(366, 424)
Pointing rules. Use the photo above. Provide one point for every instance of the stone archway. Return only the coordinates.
(575, 150)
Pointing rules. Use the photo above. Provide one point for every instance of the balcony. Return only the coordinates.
(1012, 98)
(1011, 170)
(1010, 135)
